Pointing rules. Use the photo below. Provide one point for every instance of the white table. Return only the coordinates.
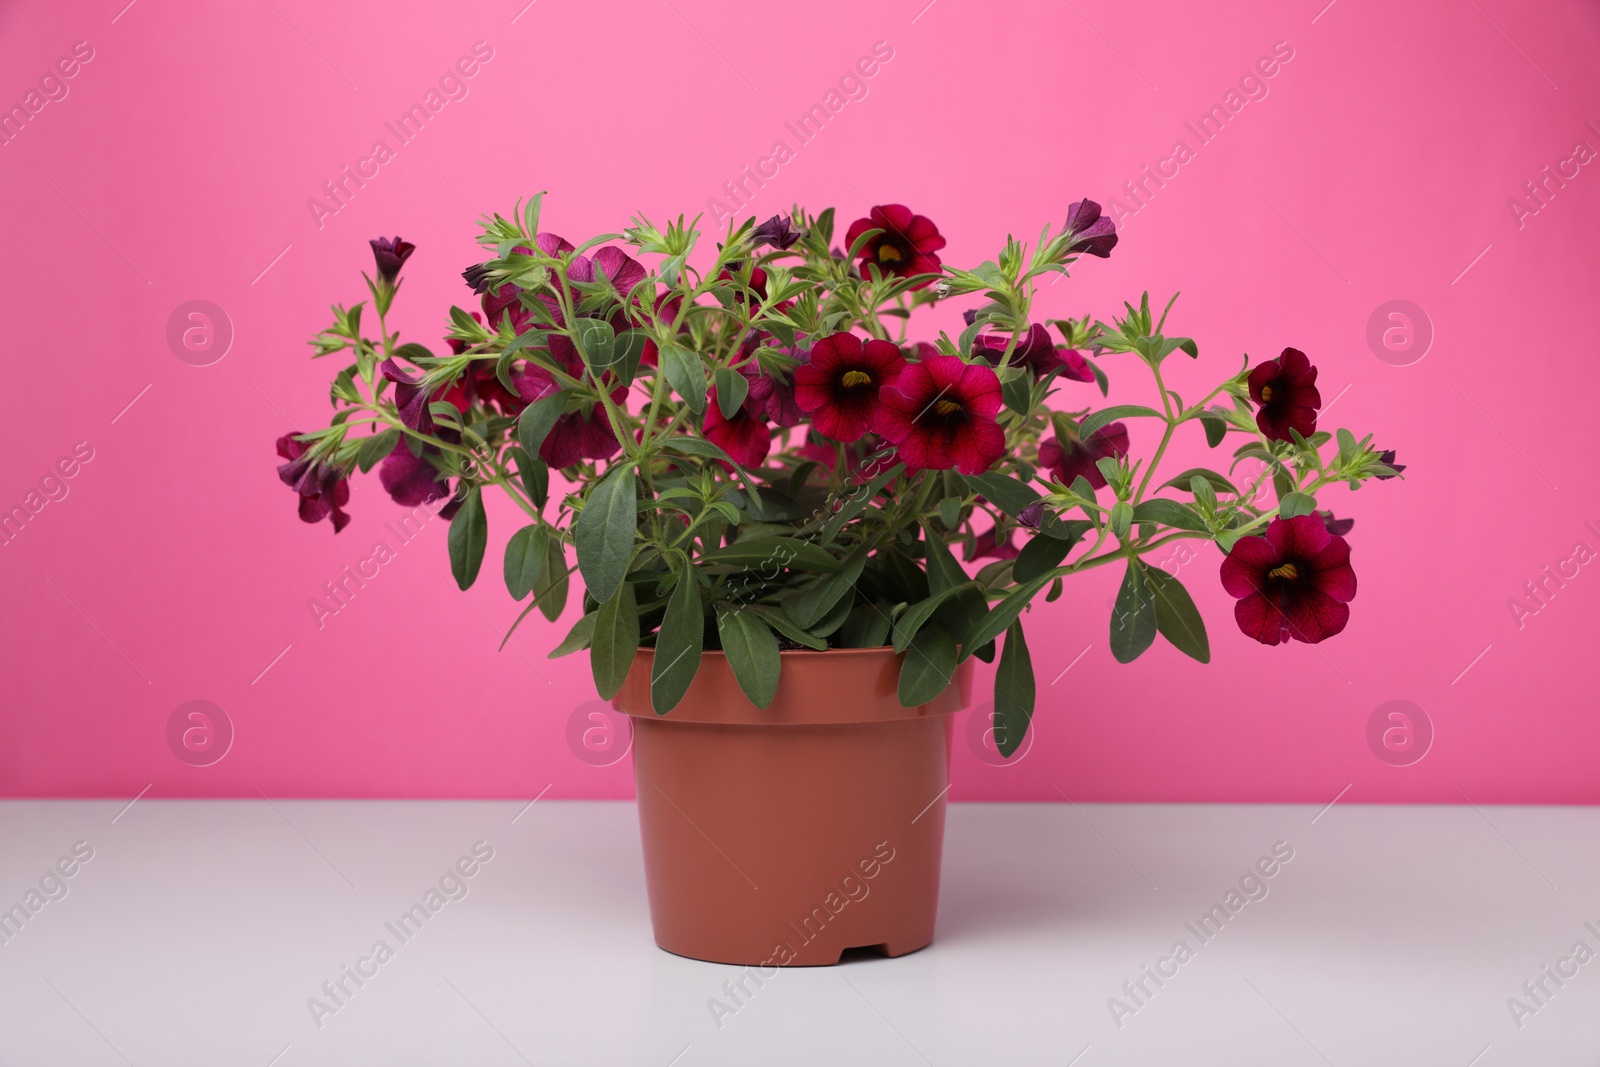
(199, 930)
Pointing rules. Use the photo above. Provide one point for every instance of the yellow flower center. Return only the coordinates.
(1288, 570)
(853, 378)
(889, 252)
(947, 407)
(1266, 394)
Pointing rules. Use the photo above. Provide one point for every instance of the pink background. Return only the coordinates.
(1378, 167)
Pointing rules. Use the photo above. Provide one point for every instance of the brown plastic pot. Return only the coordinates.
(784, 837)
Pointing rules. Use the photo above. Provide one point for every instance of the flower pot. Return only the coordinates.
(783, 837)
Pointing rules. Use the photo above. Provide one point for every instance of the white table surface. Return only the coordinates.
(1395, 935)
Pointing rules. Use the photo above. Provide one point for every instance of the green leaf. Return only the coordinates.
(1121, 519)
(604, 532)
(686, 375)
(950, 512)
(1282, 480)
(696, 446)
(911, 621)
(615, 641)
(375, 448)
(579, 637)
(1133, 616)
(1121, 411)
(525, 555)
(732, 388)
(1176, 617)
(1061, 529)
(829, 624)
(927, 666)
(1170, 513)
(752, 652)
(1218, 482)
(780, 621)
(1039, 555)
(412, 352)
(536, 421)
(530, 216)
(626, 354)
(597, 341)
(679, 644)
(1216, 427)
(1001, 616)
(1014, 691)
(813, 603)
(775, 553)
(943, 570)
(856, 501)
(535, 478)
(469, 534)
(1005, 492)
(1018, 393)
(1296, 504)
(867, 627)
(550, 591)
(1204, 494)
(963, 611)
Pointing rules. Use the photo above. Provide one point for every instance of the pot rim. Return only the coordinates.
(823, 687)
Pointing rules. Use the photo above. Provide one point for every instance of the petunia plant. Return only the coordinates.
(754, 454)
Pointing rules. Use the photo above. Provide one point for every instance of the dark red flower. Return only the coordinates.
(757, 283)
(323, 489)
(622, 270)
(863, 460)
(776, 231)
(1337, 527)
(745, 437)
(390, 256)
(1387, 459)
(1295, 582)
(940, 414)
(1036, 351)
(667, 310)
(987, 545)
(1092, 233)
(772, 391)
(840, 386)
(578, 436)
(1067, 460)
(410, 398)
(411, 481)
(905, 248)
(532, 382)
(506, 297)
(1285, 391)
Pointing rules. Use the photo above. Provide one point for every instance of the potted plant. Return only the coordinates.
(774, 496)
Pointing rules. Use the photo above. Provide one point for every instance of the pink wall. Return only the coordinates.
(1378, 167)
